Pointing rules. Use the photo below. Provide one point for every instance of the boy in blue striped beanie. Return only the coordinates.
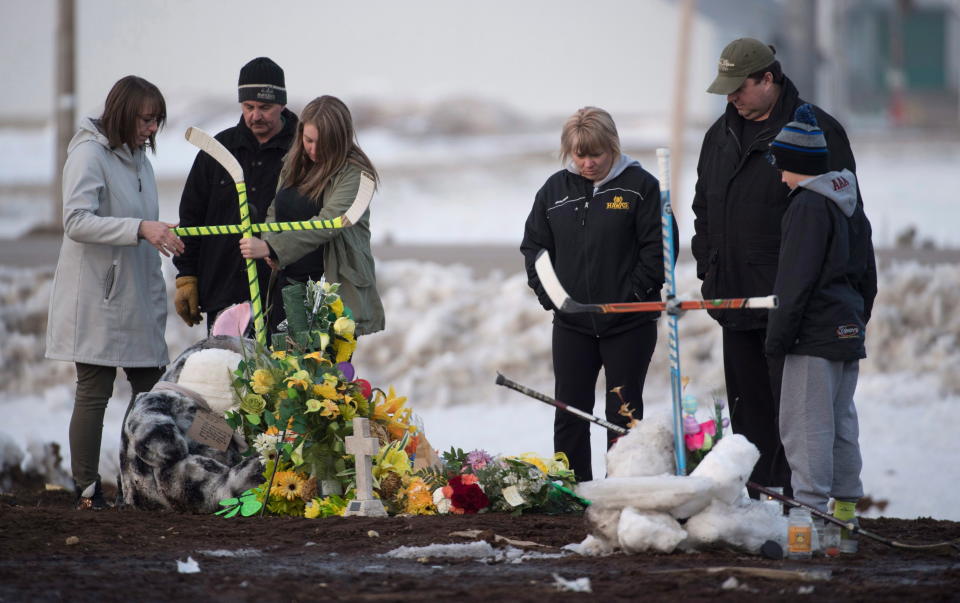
(826, 283)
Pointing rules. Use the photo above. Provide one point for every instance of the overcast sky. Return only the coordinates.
(536, 55)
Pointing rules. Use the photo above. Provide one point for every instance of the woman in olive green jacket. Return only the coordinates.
(320, 179)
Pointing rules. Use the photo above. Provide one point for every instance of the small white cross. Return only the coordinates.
(362, 447)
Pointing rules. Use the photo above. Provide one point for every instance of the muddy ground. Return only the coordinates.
(129, 555)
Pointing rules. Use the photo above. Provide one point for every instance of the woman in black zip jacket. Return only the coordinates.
(599, 219)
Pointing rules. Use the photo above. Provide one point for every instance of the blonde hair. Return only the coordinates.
(336, 146)
(589, 131)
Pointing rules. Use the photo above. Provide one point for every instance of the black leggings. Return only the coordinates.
(94, 388)
(753, 392)
(577, 359)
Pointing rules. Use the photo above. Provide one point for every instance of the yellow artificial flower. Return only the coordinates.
(533, 459)
(253, 404)
(312, 509)
(389, 411)
(299, 379)
(337, 307)
(262, 381)
(348, 410)
(326, 390)
(332, 505)
(343, 348)
(313, 405)
(318, 356)
(344, 326)
(272, 430)
(287, 484)
(419, 499)
(297, 457)
(279, 354)
(559, 462)
(324, 342)
(391, 458)
(330, 409)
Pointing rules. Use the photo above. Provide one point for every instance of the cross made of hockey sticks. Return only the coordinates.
(673, 306)
(225, 158)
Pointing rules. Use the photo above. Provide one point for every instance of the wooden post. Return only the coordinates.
(679, 117)
(66, 102)
(362, 447)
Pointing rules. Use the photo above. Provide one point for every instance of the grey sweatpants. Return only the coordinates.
(819, 429)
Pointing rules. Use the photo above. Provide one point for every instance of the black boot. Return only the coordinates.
(91, 497)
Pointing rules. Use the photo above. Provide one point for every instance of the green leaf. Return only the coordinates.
(253, 419)
(233, 512)
(227, 502)
(250, 506)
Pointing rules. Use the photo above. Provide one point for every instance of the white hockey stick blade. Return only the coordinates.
(548, 278)
(362, 201)
(212, 147)
(769, 301)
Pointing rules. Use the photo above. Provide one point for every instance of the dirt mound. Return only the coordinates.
(51, 552)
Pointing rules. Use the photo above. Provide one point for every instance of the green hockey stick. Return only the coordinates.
(212, 147)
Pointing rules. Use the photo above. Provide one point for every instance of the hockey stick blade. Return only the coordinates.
(555, 291)
(212, 147)
(362, 201)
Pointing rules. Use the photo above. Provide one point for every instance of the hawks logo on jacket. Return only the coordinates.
(161, 465)
(618, 203)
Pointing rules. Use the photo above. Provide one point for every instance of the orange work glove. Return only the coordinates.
(187, 300)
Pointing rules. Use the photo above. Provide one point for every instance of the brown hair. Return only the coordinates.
(589, 131)
(121, 111)
(336, 147)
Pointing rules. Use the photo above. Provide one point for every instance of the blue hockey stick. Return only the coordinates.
(666, 226)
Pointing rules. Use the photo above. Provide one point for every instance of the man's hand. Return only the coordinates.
(187, 300)
(253, 248)
(160, 236)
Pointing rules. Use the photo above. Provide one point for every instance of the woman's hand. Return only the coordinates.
(160, 236)
(253, 248)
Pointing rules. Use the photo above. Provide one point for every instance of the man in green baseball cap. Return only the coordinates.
(739, 203)
(738, 60)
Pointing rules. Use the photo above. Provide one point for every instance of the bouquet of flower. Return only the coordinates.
(699, 437)
(316, 320)
(476, 481)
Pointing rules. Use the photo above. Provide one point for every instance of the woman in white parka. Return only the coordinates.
(108, 306)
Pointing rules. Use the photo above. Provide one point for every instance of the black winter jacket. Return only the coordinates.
(210, 198)
(605, 244)
(827, 275)
(739, 203)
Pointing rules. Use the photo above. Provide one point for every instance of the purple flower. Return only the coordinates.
(478, 459)
(347, 369)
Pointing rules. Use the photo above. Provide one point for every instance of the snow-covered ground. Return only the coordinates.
(449, 332)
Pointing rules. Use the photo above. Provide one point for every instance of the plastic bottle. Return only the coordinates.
(799, 534)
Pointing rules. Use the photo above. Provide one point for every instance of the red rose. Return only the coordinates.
(470, 497)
